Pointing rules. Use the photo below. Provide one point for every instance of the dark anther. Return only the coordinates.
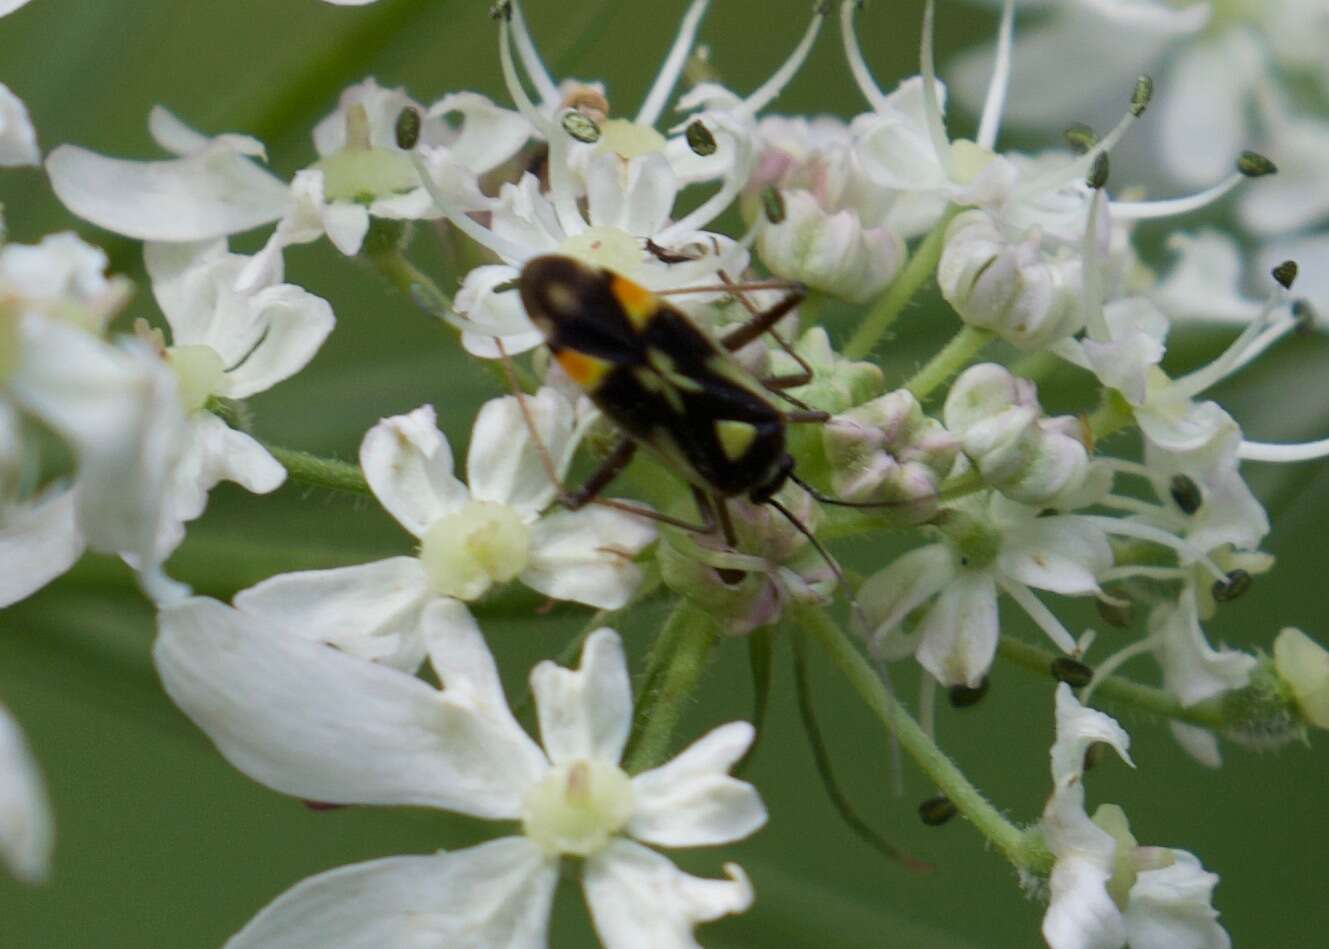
(1071, 671)
(507, 286)
(1098, 174)
(772, 202)
(1286, 274)
(936, 811)
(1118, 612)
(1232, 586)
(962, 696)
(580, 126)
(501, 10)
(408, 128)
(700, 139)
(1080, 137)
(1255, 165)
(1186, 493)
(1141, 96)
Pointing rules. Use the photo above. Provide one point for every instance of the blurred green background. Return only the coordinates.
(162, 844)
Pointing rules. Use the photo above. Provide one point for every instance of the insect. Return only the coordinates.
(671, 388)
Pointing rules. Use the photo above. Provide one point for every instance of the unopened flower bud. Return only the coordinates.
(829, 250)
(1303, 665)
(837, 383)
(888, 450)
(1011, 288)
(1026, 456)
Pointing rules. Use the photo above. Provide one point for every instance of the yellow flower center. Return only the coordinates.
(474, 547)
(577, 807)
(628, 140)
(198, 373)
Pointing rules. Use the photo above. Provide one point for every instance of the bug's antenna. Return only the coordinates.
(867, 505)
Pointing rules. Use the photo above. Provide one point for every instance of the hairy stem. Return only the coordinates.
(903, 288)
(1023, 849)
(1122, 691)
(311, 469)
(954, 356)
(675, 667)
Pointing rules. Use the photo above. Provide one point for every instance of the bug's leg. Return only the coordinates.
(714, 509)
(806, 416)
(867, 505)
(587, 494)
(762, 321)
(599, 479)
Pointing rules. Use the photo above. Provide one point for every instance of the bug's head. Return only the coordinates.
(554, 290)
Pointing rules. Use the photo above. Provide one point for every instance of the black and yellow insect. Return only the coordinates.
(665, 383)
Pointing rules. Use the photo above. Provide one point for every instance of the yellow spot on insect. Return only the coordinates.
(586, 371)
(638, 303)
(735, 437)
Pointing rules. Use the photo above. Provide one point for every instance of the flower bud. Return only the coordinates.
(830, 250)
(1023, 454)
(837, 383)
(1303, 665)
(888, 450)
(1013, 289)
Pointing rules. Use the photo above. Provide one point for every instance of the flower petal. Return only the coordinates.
(39, 540)
(496, 894)
(1202, 108)
(890, 595)
(585, 713)
(210, 193)
(638, 897)
(312, 722)
(959, 633)
(488, 136)
(1192, 669)
(27, 832)
(295, 323)
(18, 139)
(408, 464)
(586, 556)
(504, 463)
(692, 801)
(1172, 907)
(1062, 554)
(370, 610)
(1078, 728)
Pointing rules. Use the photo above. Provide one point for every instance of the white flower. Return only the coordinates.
(1106, 891)
(27, 833)
(230, 344)
(9, 6)
(114, 404)
(471, 537)
(355, 732)
(18, 139)
(1193, 670)
(987, 544)
(214, 189)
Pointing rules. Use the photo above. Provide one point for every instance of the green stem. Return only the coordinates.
(891, 304)
(397, 270)
(954, 356)
(1024, 849)
(1115, 689)
(404, 276)
(675, 668)
(319, 472)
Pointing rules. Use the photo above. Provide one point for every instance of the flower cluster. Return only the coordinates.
(600, 283)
